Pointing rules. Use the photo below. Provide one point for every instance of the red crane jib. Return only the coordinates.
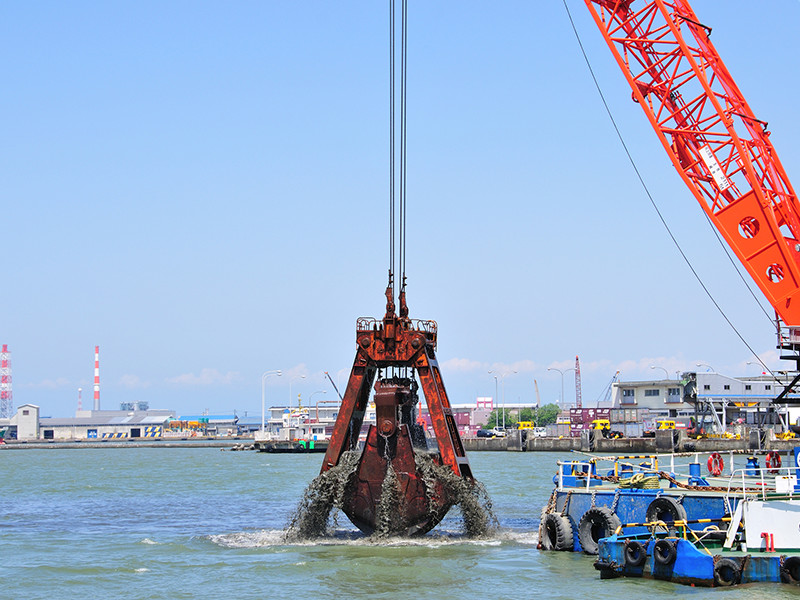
(718, 146)
(396, 343)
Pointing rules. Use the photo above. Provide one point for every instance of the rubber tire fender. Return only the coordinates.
(557, 533)
(635, 554)
(790, 570)
(665, 506)
(596, 523)
(727, 572)
(665, 552)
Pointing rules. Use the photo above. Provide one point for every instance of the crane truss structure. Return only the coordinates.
(718, 146)
(6, 397)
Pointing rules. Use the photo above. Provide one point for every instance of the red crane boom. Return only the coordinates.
(720, 149)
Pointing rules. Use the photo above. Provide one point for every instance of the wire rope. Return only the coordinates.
(391, 140)
(403, 142)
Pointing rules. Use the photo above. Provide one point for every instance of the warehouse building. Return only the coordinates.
(28, 425)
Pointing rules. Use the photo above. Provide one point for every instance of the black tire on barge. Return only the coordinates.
(596, 523)
(727, 572)
(635, 554)
(665, 552)
(557, 532)
(790, 570)
(666, 509)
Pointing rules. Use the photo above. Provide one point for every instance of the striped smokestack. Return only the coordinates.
(97, 378)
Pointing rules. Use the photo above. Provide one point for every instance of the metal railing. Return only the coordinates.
(364, 324)
(679, 469)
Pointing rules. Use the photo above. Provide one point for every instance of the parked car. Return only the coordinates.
(485, 433)
(499, 432)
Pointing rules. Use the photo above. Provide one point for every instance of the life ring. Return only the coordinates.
(790, 570)
(715, 464)
(556, 533)
(773, 462)
(635, 554)
(727, 572)
(666, 509)
(596, 523)
(664, 552)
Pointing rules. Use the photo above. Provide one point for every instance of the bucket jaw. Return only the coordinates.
(398, 487)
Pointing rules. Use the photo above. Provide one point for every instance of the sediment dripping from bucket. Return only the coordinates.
(329, 490)
(389, 509)
(325, 492)
(478, 518)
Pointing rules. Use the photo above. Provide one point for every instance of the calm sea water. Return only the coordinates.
(194, 523)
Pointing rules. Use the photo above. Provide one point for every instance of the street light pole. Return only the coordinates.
(662, 368)
(290, 390)
(495, 390)
(314, 394)
(309, 402)
(503, 382)
(264, 376)
(562, 381)
(563, 400)
(705, 365)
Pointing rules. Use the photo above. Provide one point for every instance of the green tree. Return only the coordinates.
(526, 414)
(547, 414)
(496, 419)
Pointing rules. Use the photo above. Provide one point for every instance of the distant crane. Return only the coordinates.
(328, 375)
(578, 400)
(6, 397)
(606, 395)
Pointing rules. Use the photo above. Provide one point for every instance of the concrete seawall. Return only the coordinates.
(667, 442)
(515, 442)
(153, 443)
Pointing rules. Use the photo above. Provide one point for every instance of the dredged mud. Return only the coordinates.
(325, 492)
(328, 491)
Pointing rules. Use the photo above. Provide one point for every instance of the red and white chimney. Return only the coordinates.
(97, 378)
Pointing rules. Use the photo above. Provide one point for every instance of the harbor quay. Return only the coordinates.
(515, 441)
(223, 443)
(700, 412)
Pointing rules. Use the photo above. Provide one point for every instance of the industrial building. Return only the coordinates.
(719, 399)
(28, 425)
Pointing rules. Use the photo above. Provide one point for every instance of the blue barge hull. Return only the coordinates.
(631, 506)
(587, 506)
(691, 566)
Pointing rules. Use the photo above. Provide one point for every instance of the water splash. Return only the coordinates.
(478, 518)
(148, 541)
(441, 537)
(327, 491)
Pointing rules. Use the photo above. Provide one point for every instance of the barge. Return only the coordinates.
(759, 543)
(593, 497)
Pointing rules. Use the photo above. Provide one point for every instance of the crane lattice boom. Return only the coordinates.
(720, 149)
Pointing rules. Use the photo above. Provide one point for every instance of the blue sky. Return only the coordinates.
(201, 189)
